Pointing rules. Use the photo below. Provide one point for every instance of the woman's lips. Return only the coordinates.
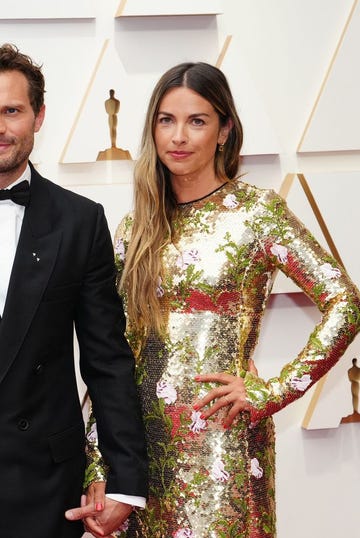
(179, 154)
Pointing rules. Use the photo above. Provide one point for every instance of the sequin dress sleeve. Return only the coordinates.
(291, 247)
(96, 468)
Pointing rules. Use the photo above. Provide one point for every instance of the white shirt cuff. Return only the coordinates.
(140, 502)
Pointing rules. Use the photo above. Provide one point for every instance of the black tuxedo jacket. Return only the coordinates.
(63, 275)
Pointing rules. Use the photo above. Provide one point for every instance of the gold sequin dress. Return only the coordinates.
(205, 481)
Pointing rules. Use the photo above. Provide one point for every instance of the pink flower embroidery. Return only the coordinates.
(187, 258)
(256, 470)
(92, 434)
(230, 201)
(330, 271)
(301, 383)
(119, 249)
(218, 472)
(166, 391)
(159, 289)
(280, 252)
(198, 424)
(184, 533)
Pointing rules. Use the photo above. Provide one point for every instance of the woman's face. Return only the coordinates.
(187, 131)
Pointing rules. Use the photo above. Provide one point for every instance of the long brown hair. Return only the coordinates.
(154, 201)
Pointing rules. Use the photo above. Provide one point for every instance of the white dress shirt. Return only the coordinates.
(11, 218)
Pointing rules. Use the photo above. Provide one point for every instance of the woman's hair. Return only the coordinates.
(13, 60)
(154, 201)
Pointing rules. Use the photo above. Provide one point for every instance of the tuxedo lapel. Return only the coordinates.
(34, 261)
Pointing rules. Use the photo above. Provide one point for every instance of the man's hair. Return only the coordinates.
(11, 59)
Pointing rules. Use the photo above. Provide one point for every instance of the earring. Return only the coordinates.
(221, 148)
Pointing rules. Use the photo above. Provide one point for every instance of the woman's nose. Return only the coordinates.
(179, 134)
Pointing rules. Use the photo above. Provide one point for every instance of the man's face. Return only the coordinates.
(18, 124)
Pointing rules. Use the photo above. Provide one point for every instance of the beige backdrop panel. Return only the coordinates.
(334, 123)
(136, 8)
(45, 9)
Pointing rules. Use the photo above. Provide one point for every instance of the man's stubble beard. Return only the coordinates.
(8, 165)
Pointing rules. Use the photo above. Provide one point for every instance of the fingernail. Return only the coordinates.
(196, 407)
(197, 378)
(69, 514)
(202, 416)
(99, 507)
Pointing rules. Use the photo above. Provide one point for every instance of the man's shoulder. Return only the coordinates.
(63, 194)
(71, 196)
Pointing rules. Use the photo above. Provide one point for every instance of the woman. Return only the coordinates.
(196, 261)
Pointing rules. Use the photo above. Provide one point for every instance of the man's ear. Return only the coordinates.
(39, 119)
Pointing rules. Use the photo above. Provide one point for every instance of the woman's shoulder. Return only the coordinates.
(242, 188)
(124, 227)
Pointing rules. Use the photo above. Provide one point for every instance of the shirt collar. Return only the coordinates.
(26, 175)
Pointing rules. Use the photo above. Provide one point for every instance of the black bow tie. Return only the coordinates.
(20, 193)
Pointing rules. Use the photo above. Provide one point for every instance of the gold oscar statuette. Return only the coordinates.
(112, 107)
(354, 378)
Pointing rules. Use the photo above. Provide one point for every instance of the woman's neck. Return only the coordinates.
(187, 188)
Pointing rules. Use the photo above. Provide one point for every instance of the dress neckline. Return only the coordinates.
(183, 204)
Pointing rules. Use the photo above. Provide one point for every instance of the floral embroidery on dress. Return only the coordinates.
(91, 435)
(330, 271)
(198, 424)
(256, 470)
(166, 391)
(230, 201)
(159, 289)
(119, 249)
(280, 252)
(188, 257)
(184, 533)
(218, 473)
(301, 383)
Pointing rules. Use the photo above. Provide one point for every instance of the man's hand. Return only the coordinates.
(101, 515)
(109, 520)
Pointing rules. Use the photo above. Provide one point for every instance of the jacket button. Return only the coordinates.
(23, 424)
(38, 369)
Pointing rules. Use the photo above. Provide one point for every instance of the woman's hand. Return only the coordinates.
(230, 393)
(96, 495)
(101, 515)
(92, 504)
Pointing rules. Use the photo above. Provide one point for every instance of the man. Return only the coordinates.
(56, 271)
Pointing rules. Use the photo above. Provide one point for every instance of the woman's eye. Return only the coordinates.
(164, 119)
(198, 121)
